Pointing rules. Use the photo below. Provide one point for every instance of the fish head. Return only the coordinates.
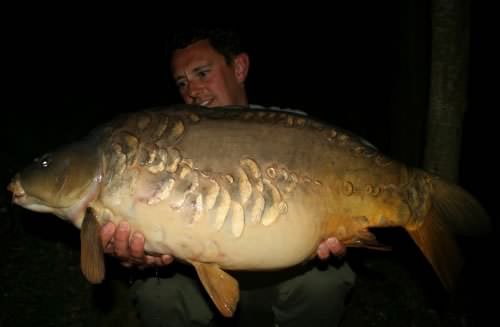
(61, 182)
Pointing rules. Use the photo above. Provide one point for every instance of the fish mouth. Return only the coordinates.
(21, 198)
(17, 190)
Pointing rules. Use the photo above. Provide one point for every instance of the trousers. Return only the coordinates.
(311, 295)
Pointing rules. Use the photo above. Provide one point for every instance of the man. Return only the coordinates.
(210, 68)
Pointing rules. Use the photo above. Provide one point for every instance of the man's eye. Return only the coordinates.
(203, 73)
(181, 84)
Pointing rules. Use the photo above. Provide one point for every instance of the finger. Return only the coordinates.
(121, 240)
(137, 246)
(126, 264)
(335, 247)
(106, 233)
(166, 259)
(151, 260)
(323, 251)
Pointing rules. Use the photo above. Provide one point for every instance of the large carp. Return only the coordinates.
(236, 189)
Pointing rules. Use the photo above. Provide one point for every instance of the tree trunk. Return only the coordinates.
(412, 90)
(448, 89)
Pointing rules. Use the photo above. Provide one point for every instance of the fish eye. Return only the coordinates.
(44, 161)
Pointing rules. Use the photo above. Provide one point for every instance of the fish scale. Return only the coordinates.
(231, 203)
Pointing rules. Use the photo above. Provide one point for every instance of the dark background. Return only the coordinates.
(364, 68)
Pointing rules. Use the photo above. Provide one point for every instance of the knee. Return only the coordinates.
(178, 300)
(317, 297)
(327, 284)
(319, 286)
(162, 290)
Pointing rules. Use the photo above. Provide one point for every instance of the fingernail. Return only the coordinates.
(166, 259)
(137, 237)
(123, 226)
(333, 241)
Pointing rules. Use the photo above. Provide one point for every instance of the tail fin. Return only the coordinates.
(458, 209)
(453, 211)
(439, 247)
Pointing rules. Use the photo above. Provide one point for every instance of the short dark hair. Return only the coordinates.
(226, 41)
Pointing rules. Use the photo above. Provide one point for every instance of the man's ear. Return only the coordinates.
(241, 65)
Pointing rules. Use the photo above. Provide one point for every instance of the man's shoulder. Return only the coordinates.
(276, 108)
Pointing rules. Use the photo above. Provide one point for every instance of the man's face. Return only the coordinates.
(204, 77)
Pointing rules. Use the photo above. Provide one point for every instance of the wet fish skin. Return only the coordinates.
(243, 189)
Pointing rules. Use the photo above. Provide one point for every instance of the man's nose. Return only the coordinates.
(194, 89)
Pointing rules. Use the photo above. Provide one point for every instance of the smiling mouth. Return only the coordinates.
(205, 103)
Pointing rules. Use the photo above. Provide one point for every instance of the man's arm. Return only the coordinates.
(116, 242)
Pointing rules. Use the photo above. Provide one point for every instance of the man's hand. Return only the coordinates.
(115, 241)
(330, 246)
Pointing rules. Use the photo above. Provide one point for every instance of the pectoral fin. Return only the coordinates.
(92, 254)
(222, 287)
(365, 239)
